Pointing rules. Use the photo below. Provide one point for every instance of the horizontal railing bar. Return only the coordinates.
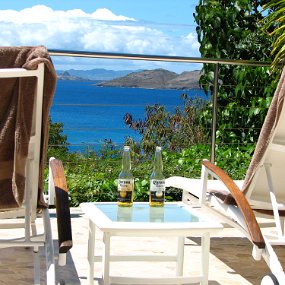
(95, 129)
(110, 105)
(109, 55)
(123, 129)
(120, 142)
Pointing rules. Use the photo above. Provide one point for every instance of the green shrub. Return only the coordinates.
(92, 178)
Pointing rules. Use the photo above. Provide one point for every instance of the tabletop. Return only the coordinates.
(109, 216)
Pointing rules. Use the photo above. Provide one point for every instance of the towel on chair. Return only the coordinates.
(267, 130)
(17, 96)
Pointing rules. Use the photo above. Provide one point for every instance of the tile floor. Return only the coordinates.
(230, 259)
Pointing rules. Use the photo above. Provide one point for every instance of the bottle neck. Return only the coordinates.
(126, 161)
(158, 164)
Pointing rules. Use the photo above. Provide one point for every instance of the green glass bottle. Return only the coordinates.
(126, 181)
(157, 181)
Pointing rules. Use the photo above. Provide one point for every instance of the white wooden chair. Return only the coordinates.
(23, 141)
(262, 192)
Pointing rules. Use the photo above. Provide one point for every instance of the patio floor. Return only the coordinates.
(230, 258)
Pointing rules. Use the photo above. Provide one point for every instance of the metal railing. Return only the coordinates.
(163, 58)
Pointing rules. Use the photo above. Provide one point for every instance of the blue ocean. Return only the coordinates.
(91, 114)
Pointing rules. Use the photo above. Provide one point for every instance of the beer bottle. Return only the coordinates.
(126, 181)
(157, 181)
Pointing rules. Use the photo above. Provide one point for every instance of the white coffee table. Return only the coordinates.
(174, 219)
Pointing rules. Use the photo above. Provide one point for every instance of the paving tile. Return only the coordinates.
(230, 259)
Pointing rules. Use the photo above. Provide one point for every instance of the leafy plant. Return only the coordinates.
(91, 178)
(244, 92)
(274, 24)
(58, 145)
(173, 131)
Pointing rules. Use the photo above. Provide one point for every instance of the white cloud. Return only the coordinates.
(42, 13)
(101, 31)
(191, 40)
(107, 15)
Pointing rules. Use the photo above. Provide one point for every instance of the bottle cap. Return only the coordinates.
(158, 148)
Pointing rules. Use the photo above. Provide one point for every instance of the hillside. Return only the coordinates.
(156, 79)
(185, 80)
(67, 76)
(92, 74)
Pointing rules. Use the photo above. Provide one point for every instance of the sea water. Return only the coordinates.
(91, 114)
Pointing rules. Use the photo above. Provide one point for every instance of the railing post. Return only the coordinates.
(214, 111)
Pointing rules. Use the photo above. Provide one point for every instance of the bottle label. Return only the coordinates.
(157, 190)
(125, 190)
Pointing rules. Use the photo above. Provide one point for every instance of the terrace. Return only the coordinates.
(230, 259)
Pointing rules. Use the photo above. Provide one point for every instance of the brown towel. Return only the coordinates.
(16, 105)
(267, 130)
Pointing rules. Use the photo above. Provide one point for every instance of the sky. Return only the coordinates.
(154, 27)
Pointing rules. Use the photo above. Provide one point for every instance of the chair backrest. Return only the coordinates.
(28, 167)
(27, 85)
(27, 81)
(265, 177)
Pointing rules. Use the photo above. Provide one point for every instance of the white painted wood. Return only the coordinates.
(180, 256)
(110, 228)
(90, 252)
(25, 216)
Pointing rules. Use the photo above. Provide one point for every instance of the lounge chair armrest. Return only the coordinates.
(242, 203)
(62, 206)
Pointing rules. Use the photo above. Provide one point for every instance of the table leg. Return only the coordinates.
(205, 244)
(180, 256)
(91, 253)
(106, 258)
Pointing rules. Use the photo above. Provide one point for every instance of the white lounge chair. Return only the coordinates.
(27, 85)
(262, 192)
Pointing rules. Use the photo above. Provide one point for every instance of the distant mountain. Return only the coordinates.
(185, 80)
(93, 74)
(156, 79)
(67, 76)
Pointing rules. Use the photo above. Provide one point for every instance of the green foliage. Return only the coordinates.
(173, 131)
(235, 159)
(274, 25)
(244, 92)
(236, 28)
(58, 145)
(90, 178)
(243, 106)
